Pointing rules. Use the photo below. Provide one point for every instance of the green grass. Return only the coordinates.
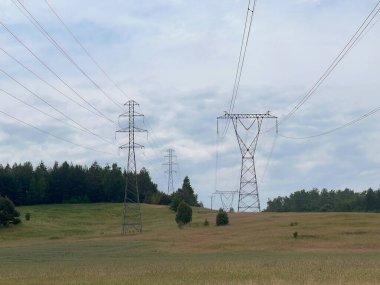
(81, 244)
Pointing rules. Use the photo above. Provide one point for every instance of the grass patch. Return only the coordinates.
(81, 244)
(354, 233)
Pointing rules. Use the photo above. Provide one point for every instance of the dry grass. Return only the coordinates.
(81, 244)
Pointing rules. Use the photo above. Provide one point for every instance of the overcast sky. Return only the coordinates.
(178, 60)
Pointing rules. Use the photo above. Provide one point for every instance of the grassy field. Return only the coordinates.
(81, 244)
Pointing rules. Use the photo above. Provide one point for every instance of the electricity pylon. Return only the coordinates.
(248, 189)
(227, 199)
(170, 170)
(131, 212)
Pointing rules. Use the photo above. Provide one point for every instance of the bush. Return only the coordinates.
(206, 223)
(222, 218)
(295, 235)
(165, 199)
(27, 216)
(8, 212)
(16, 221)
(184, 214)
(175, 201)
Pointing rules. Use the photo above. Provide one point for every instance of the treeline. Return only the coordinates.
(327, 201)
(68, 183)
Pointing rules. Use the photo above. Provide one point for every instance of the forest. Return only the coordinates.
(68, 183)
(327, 201)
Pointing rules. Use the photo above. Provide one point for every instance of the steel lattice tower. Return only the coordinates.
(227, 199)
(170, 170)
(131, 211)
(248, 189)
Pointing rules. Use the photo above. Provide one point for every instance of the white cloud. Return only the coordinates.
(178, 60)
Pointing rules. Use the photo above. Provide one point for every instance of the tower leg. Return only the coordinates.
(248, 191)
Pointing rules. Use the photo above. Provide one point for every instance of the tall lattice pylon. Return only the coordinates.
(248, 188)
(170, 156)
(131, 212)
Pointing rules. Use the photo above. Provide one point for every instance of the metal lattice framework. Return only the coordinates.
(226, 198)
(170, 170)
(248, 189)
(131, 212)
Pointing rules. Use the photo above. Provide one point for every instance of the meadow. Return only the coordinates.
(82, 244)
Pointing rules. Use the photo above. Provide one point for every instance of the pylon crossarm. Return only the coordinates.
(136, 145)
(244, 126)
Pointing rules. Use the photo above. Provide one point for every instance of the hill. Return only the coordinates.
(81, 244)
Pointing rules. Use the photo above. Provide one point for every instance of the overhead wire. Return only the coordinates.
(268, 160)
(360, 35)
(47, 83)
(154, 144)
(76, 39)
(243, 50)
(346, 125)
(239, 70)
(44, 32)
(79, 126)
(53, 72)
(347, 48)
(53, 135)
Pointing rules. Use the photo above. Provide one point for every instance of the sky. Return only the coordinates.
(178, 60)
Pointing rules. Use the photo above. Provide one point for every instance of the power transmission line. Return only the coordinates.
(47, 83)
(348, 47)
(269, 159)
(39, 27)
(243, 49)
(80, 127)
(52, 71)
(84, 49)
(346, 125)
(53, 135)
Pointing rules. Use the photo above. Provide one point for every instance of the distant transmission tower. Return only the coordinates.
(131, 212)
(227, 199)
(248, 189)
(170, 170)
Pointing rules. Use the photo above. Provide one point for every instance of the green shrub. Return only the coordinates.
(206, 223)
(295, 235)
(27, 216)
(222, 218)
(8, 212)
(175, 201)
(16, 221)
(184, 214)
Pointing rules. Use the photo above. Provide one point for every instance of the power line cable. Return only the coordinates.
(52, 71)
(216, 163)
(80, 127)
(84, 49)
(348, 47)
(243, 49)
(39, 27)
(47, 83)
(53, 135)
(268, 160)
(53, 117)
(346, 125)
